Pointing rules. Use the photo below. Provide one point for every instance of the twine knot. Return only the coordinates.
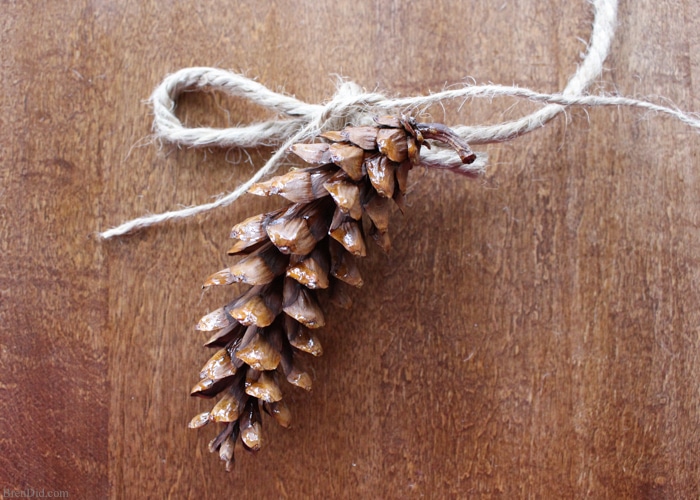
(343, 105)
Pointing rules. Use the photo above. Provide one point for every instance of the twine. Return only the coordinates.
(301, 121)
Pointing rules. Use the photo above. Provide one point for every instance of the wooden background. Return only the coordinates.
(534, 333)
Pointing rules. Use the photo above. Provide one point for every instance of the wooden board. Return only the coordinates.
(534, 333)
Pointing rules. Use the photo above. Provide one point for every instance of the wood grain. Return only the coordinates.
(534, 333)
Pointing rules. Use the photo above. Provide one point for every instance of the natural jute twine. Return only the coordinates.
(301, 121)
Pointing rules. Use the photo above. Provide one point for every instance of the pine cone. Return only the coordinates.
(290, 254)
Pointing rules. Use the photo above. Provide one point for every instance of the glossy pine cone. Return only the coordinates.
(289, 255)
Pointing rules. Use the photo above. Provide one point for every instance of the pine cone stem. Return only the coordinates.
(440, 132)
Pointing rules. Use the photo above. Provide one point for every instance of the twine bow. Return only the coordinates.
(300, 121)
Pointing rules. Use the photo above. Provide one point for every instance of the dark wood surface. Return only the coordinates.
(534, 333)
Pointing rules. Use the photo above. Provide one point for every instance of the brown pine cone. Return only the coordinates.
(289, 254)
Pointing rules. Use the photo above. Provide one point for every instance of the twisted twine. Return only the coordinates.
(349, 104)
